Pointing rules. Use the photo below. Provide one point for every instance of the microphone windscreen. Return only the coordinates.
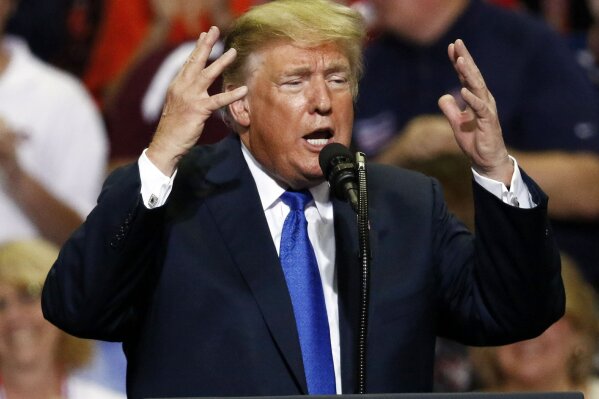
(329, 153)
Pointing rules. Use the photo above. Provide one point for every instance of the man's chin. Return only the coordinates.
(307, 181)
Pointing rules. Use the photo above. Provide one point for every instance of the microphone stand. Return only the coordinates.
(365, 256)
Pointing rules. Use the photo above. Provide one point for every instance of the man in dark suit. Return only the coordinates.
(180, 258)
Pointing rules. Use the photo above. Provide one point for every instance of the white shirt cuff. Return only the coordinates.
(518, 195)
(155, 185)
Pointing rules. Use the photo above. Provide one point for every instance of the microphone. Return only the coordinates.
(338, 167)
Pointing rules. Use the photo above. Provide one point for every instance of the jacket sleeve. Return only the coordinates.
(508, 286)
(97, 285)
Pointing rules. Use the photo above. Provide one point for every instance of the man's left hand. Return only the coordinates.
(476, 128)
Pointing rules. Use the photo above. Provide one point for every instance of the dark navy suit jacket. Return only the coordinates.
(195, 291)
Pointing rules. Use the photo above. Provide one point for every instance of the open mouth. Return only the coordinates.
(319, 137)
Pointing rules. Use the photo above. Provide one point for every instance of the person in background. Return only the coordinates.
(53, 145)
(567, 17)
(59, 32)
(548, 109)
(129, 31)
(586, 45)
(37, 360)
(53, 149)
(560, 359)
(137, 103)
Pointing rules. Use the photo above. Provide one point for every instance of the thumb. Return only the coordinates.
(450, 109)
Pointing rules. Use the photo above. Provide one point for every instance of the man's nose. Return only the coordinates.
(320, 97)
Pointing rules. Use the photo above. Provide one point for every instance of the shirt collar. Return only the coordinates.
(270, 190)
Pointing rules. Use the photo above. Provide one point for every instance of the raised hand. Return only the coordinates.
(188, 104)
(476, 128)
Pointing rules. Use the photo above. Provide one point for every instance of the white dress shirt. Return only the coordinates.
(156, 187)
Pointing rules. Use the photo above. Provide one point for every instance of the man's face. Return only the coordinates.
(299, 100)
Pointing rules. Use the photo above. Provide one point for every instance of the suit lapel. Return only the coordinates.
(238, 213)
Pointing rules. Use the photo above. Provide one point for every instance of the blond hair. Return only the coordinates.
(24, 266)
(309, 23)
(581, 312)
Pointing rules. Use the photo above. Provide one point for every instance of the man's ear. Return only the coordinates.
(239, 111)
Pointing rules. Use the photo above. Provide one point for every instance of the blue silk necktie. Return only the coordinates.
(305, 288)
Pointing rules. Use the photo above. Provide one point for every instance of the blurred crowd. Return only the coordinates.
(83, 82)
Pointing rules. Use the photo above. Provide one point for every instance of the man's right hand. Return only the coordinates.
(188, 104)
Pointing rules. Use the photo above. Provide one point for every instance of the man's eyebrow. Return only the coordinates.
(305, 70)
(301, 70)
